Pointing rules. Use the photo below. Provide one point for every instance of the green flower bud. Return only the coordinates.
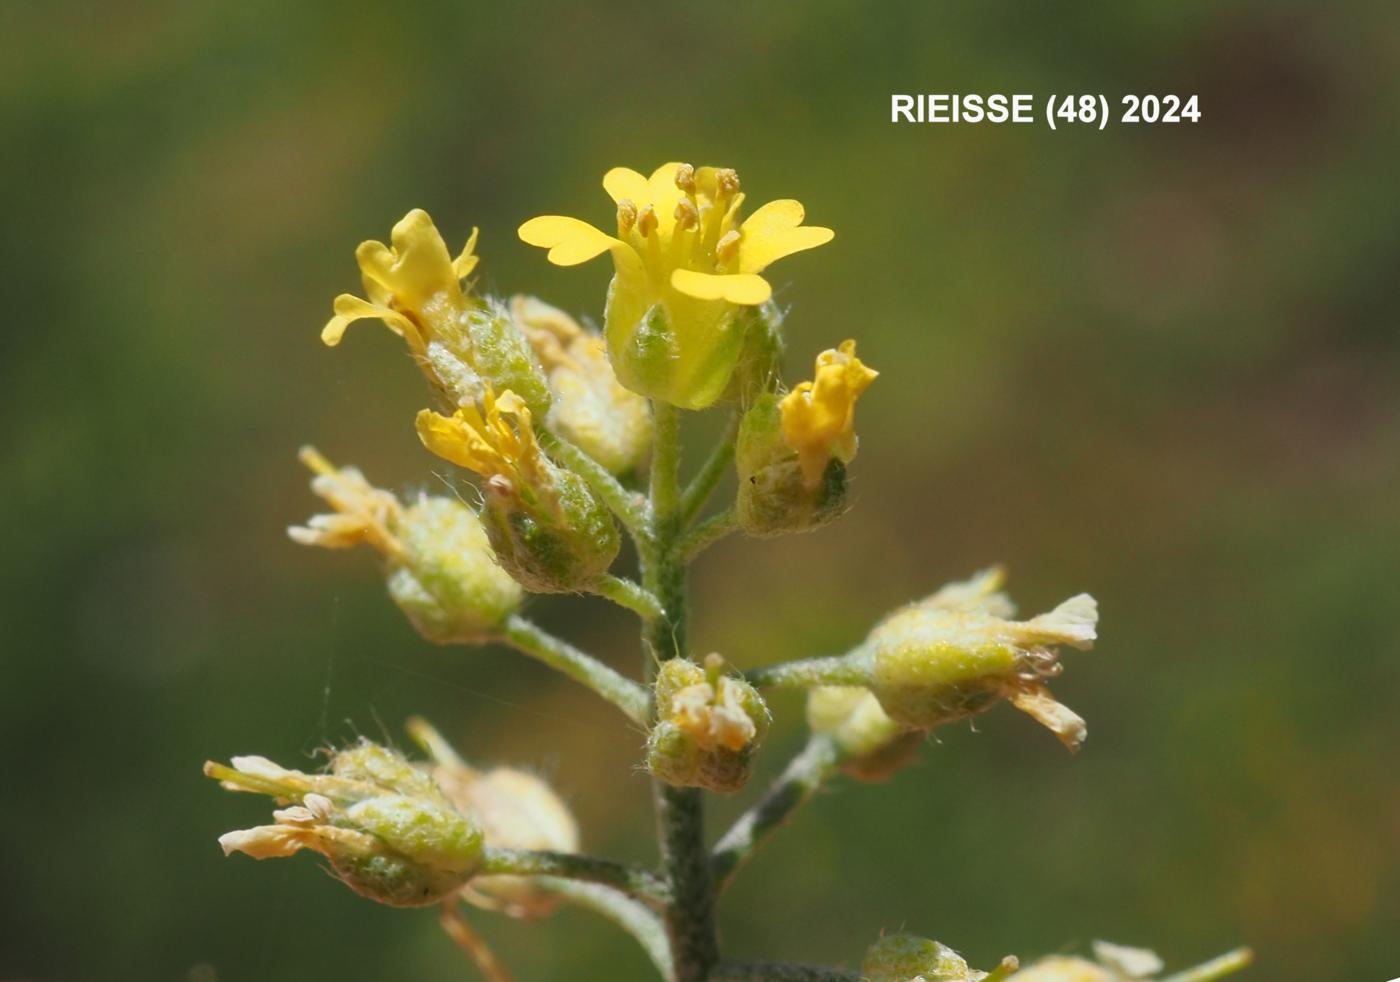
(709, 726)
(956, 654)
(548, 529)
(591, 408)
(774, 496)
(906, 958)
(439, 566)
(872, 745)
(389, 832)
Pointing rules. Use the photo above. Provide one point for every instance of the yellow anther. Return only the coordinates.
(315, 461)
(646, 221)
(687, 215)
(727, 246)
(685, 178)
(727, 180)
(626, 216)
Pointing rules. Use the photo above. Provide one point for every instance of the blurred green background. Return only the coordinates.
(1156, 363)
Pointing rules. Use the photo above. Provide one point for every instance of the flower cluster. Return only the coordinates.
(571, 438)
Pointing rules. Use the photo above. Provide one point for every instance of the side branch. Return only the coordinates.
(807, 772)
(626, 593)
(706, 534)
(779, 972)
(711, 472)
(852, 668)
(528, 638)
(631, 880)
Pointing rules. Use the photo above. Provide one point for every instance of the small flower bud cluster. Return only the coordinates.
(389, 832)
(709, 724)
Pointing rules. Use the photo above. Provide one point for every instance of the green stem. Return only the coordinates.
(711, 472)
(706, 534)
(628, 506)
(527, 638)
(1216, 968)
(852, 668)
(779, 972)
(626, 593)
(631, 880)
(806, 773)
(680, 812)
(633, 917)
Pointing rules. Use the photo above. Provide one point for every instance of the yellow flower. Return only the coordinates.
(819, 416)
(685, 262)
(548, 529)
(497, 443)
(414, 286)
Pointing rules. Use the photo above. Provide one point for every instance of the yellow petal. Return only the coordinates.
(463, 265)
(775, 231)
(571, 241)
(741, 288)
(349, 308)
(663, 195)
(452, 440)
(416, 268)
(624, 182)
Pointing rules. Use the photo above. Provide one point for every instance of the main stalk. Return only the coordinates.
(680, 812)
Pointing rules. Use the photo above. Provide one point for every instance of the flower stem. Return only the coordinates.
(852, 668)
(528, 638)
(631, 880)
(706, 534)
(626, 593)
(680, 814)
(628, 506)
(807, 772)
(703, 484)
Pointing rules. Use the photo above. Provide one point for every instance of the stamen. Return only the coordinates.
(646, 221)
(626, 217)
(315, 462)
(727, 246)
(687, 215)
(727, 179)
(685, 178)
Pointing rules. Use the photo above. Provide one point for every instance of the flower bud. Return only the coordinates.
(548, 529)
(591, 409)
(873, 746)
(686, 268)
(709, 726)
(388, 831)
(956, 654)
(792, 452)
(906, 958)
(462, 343)
(516, 810)
(439, 566)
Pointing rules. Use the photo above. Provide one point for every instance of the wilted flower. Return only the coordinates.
(685, 265)
(389, 832)
(439, 566)
(957, 653)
